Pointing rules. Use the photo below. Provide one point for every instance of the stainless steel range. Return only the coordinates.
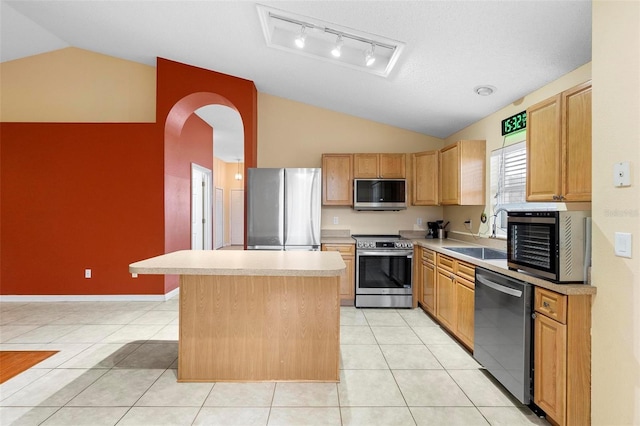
(383, 271)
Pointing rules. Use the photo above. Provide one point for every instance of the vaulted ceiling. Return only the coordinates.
(451, 47)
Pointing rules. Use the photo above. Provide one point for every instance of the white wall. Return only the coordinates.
(616, 137)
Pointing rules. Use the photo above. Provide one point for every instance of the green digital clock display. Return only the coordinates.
(514, 123)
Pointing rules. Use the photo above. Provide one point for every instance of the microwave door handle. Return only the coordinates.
(502, 289)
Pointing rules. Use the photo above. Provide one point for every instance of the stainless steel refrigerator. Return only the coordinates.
(283, 209)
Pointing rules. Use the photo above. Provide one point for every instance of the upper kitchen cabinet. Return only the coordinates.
(337, 179)
(462, 173)
(425, 178)
(559, 147)
(373, 166)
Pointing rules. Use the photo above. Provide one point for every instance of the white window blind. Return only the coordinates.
(508, 178)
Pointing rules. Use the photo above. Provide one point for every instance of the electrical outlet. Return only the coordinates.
(419, 221)
(87, 273)
(335, 220)
(134, 275)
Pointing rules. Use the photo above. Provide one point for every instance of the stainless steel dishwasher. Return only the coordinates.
(502, 327)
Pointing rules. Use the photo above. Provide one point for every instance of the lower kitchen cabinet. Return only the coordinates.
(428, 281)
(424, 273)
(446, 300)
(562, 357)
(454, 297)
(465, 302)
(347, 279)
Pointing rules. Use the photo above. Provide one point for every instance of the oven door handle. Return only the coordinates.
(407, 254)
(502, 289)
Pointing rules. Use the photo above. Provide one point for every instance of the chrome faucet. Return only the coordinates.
(495, 215)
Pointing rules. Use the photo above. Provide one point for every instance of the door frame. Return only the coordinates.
(207, 211)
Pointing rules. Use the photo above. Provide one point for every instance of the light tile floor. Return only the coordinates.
(117, 365)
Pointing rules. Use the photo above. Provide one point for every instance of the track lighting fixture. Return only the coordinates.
(301, 38)
(328, 41)
(369, 56)
(337, 51)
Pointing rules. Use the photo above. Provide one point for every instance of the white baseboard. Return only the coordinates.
(92, 297)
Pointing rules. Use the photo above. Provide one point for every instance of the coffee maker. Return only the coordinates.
(432, 229)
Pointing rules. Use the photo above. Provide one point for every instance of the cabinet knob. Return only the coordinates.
(545, 304)
(534, 315)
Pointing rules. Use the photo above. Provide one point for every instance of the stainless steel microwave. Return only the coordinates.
(555, 245)
(379, 194)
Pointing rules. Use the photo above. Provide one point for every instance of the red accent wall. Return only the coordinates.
(194, 144)
(76, 196)
(103, 195)
(177, 81)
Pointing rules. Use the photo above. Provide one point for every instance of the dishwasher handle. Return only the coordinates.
(507, 290)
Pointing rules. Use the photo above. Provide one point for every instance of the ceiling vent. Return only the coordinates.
(306, 36)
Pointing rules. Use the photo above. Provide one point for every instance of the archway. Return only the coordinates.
(188, 140)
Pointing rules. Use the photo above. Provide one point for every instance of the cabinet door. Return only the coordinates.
(465, 303)
(576, 143)
(429, 287)
(347, 280)
(449, 177)
(425, 178)
(550, 368)
(543, 150)
(472, 172)
(337, 180)
(445, 300)
(392, 166)
(365, 166)
(418, 280)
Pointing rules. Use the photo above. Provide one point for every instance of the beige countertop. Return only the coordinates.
(243, 262)
(337, 240)
(500, 266)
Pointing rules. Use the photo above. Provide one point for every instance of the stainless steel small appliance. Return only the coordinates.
(379, 194)
(383, 271)
(555, 245)
(502, 331)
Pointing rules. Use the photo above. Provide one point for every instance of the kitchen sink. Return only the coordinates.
(483, 253)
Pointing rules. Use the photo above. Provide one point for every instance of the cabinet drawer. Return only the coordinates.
(466, 283)
(551, 304)
(466, 270)
(445, 262)
(342, 248)
(429, 256)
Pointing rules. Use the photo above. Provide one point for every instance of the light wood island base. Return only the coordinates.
(248, 316)
(258, 328)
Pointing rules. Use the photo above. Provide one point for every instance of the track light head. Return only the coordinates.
(301, 38)
(337, 51)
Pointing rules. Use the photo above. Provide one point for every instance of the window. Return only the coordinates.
(508, 182)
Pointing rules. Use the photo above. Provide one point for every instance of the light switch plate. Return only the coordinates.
(621, 174)
(623, 244)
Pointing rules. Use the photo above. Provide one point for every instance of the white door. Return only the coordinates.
(237, 217)
(219, 233)
(201, 212)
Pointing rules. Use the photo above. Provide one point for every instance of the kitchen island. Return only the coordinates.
(255, 315)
